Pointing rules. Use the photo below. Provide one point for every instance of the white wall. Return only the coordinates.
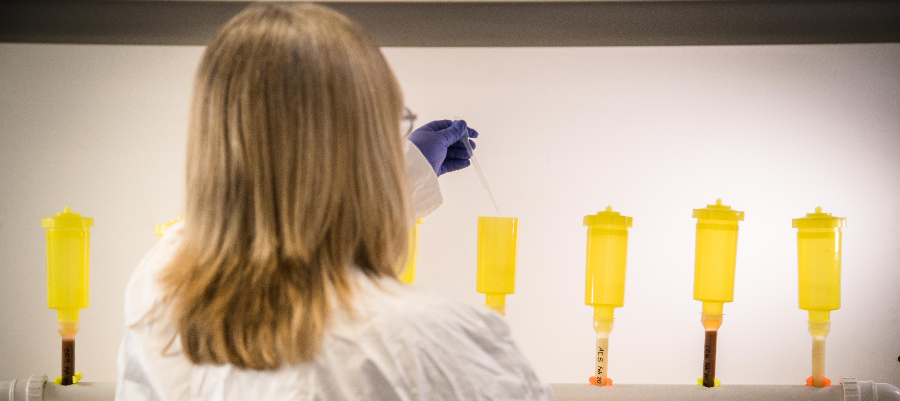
(655, 132)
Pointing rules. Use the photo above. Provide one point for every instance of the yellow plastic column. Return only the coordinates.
(68, 266)
(409, 271)
(604, 284)
(819, 270)
(160, 229)
(714, 265)
(497, 238)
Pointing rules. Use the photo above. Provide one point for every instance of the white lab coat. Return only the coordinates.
(406, 343)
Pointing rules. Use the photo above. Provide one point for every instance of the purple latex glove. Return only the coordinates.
(442, 144)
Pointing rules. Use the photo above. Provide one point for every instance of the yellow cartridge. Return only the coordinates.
(497, 238)
(604, 284)
(160, 229)
(408, 275)
(68, 266)
(715, 255)
(607, 243)
(819, 271)
(819, 262)
(68, 263)
(714, 263)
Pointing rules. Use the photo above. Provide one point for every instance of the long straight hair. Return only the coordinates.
(295, 177)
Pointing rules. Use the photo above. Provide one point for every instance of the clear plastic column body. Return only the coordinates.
(607, 249)
(819, 279)
(68, 273)
(496, 276)
(714, 269)
(408, 274)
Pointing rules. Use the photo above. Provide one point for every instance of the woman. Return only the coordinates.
(281, 283)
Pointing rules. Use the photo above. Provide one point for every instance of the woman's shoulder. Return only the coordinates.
(143, 292)
(415, 304)
(431, 333)
(429, 318)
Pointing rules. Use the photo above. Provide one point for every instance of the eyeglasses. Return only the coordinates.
(407, 122)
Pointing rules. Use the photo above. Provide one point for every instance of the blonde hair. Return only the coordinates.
(295, 177)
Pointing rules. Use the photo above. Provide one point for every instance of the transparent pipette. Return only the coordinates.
(478, 170)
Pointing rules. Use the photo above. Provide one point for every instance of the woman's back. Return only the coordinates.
(405, 343)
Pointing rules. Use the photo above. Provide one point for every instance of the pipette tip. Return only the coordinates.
(496, 209)
(480, 173)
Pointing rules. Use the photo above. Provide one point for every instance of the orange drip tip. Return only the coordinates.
(593, 381)
(826, 381)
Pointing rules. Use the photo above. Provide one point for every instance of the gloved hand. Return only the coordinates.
(442, 144)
